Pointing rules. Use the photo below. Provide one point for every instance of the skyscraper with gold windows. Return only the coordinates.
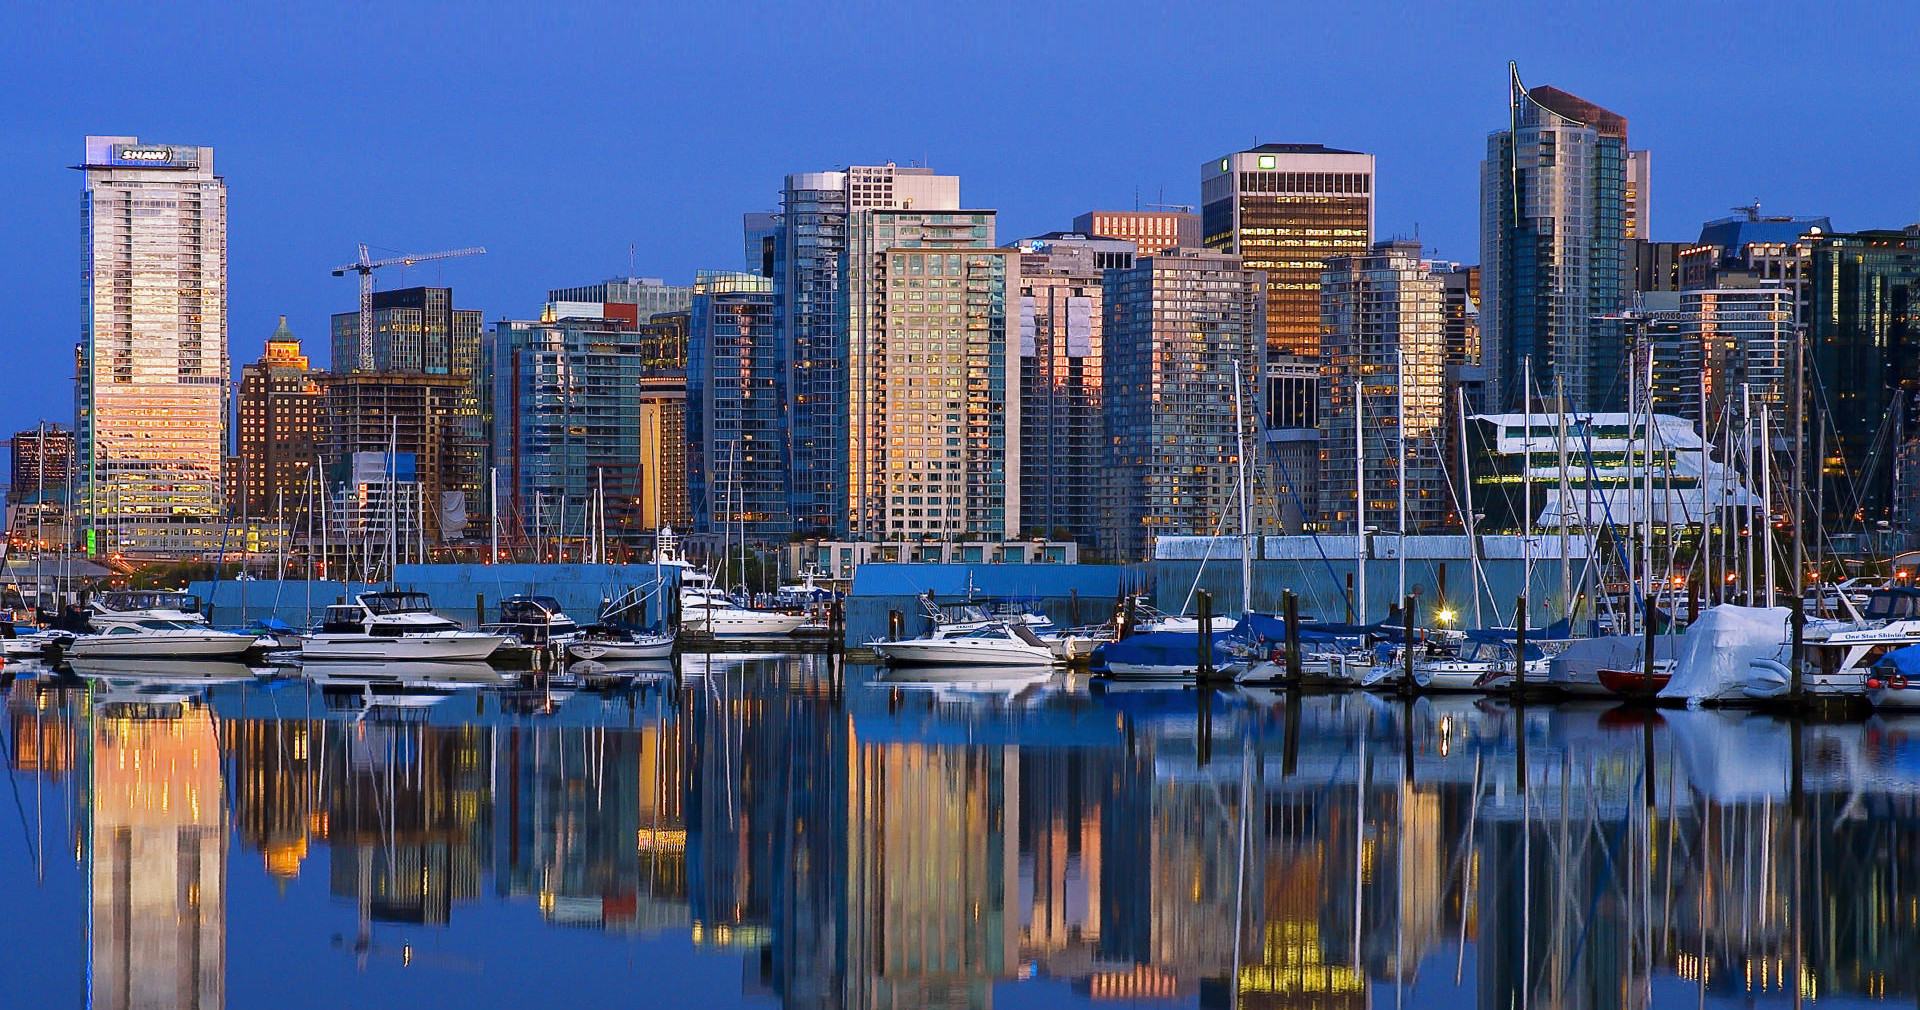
(151, 369)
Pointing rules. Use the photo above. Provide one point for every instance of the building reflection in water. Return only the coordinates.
(924, 845)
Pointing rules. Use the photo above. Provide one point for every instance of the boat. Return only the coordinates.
(1895, 680)
(1634, 682)
(958, 618)
(714, 613)
(1484, 662)
(394, 626)
(533, 621)
(156, 638)
(613, 643)
(1165, 655)
(993, 645)
(1840, 655)
(1076, 644)
(120, 606)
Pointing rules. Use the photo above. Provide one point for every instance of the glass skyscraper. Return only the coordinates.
(150, 398)
(1553, 250)
(737, 411)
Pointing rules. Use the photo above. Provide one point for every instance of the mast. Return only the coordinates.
(1707, 578)
(393, 500)
(493, 512)
(1472, 524)
(1766, 502)
(1799, 463)
(1526, 474)
(1240, 474)
(1646, 536)
(1400, 476)
(1566, 493)
(1746, 444)
(1360, 545)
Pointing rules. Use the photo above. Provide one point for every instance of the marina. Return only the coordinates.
(710, 828)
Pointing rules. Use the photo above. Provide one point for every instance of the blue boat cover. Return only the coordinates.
(1163, 648)
(1905, 661)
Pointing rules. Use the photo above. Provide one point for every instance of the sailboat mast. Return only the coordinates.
(1466, 505)
(1360, 546)
(1240, 474)
(1766, 502)
(1400, 475)
(1566, 495)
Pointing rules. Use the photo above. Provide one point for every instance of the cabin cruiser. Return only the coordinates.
(128, 605)
(992, 645)
(1840, 655)
(715, 613)
(614, 643)
(534, 621)
(394, 626)
(158, 638)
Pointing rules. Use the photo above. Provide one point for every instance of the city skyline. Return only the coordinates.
(313, 173)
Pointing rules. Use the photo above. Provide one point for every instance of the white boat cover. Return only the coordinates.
(1716, 655)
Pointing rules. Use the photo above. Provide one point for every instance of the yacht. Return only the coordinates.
(992, 645)
(714, 613)
(158, 638)
(394, 626)
(611, 643)
(534, 620)
(1841, 655)
(129, 605)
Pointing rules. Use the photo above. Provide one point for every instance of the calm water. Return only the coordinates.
(762, 832)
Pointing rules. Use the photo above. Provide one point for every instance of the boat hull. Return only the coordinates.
(741, 623)
(161, 645)
(961, 652)
(455, 645)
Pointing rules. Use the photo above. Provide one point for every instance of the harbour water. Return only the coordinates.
(788, 831)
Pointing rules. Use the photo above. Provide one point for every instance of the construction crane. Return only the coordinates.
(365, 268)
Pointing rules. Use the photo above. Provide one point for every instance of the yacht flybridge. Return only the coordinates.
(394, 626)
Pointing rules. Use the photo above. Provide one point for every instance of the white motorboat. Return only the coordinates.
(713, 613)
(993, 645)
(1076, 644)
(394, 626)
(122, 606)
(613, 644)
(155, 638)
(1482, 664)
(534, 620)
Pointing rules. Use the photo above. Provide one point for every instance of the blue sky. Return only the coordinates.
(560, 135)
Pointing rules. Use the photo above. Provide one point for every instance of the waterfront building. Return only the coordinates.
(1178, 327)
(150, 397)
(632, 299)
(1383, 327)
(737, 408)
(579, 412)
(1552, 248)
(1865, 352)
(42, 463)
(406, 413)
(277, 428)
(1151, 231)
(933, 415)
(1285, 209)
(1063, 445)
(811, 289)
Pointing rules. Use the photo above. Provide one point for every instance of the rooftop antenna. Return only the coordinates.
(1752, 210)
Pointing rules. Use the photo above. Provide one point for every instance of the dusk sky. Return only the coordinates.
(560, 136)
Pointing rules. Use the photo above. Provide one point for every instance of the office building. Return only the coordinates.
(1063, 446)
(1383, 328)
(1285, 209)
(150, 397)
(1180, 328)
(42, 463)
(278, 429)
(405, 413)
(811, 289)
(633, 299)
(579, 412)
(1461, 327)
(737, 408)
(1655, 266)
(1743, 333)
(1151, 231)
(1552, 248)
(1292, 438)
(1758, 248)
(933, 410)
(663, 419)
(1865, 350)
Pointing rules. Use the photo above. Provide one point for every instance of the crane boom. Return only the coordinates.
(365, 268)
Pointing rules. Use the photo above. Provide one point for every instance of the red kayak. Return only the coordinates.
(1632, 682)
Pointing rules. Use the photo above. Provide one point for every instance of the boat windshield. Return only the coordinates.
(1893, 605)
(396, 603)
(990, 631)
(149, 600)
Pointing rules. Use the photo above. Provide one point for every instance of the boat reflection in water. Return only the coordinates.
(813, 835)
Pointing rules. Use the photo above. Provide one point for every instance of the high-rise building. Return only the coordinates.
(150, 398)
(417, 331)
(737, 408)
(663, 420)
(1865, 348)
(1741, 334)
(1286, 209)
(1655, 266)
(42, 463)
(1748, 245)
(1552, 248)
(579, 412)
(1180, 327)
(1151, 231)
(406, 413)
(1462, 326)
(1636, 197)
(278, 428)
(1063, 445)
(810, 287)
(1384, 328)
(933, 413)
